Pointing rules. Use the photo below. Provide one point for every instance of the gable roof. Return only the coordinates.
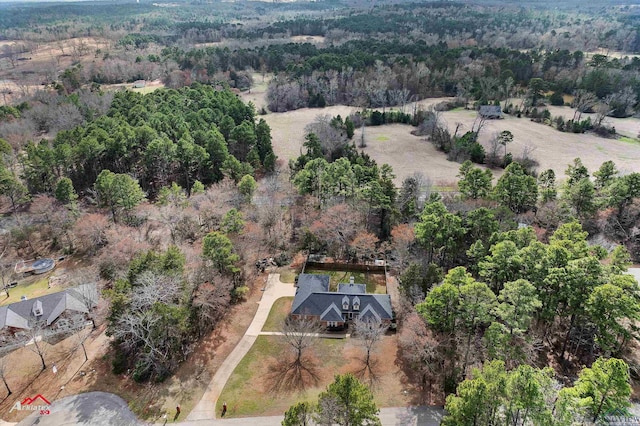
(368, 313)
(332, 313)
(313, 298)
(79, 299)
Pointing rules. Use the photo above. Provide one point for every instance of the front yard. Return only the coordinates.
(256, 386)
(253, 390)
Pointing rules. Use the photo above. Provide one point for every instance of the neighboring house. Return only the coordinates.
(55, 311)
(490, 111)
(335, 309)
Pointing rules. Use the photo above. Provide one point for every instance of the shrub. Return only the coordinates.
(238, 294)
(556, 99)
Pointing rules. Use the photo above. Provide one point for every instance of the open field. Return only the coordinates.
(25, 74)
(251, 389)
(395, 145)
(149, 87)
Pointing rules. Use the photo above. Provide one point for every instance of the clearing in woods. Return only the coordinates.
(395, 145)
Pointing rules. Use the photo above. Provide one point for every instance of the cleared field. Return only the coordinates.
(395, 145)
(149, 87)
(553, 149)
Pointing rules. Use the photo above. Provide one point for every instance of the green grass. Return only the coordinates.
(343, 277)
(382, 138)
(278, 313)
(146, 89)
(34, 289)
(628, 139)
(247, 392)
(287, 276)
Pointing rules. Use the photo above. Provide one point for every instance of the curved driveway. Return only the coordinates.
(275, 289)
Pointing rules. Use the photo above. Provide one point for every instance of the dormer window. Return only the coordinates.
(356, 303)
(37, 308)
(345, 303)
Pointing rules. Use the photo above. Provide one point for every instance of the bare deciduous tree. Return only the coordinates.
(582, 102)
(80, 337)
(368, 332)
(34, 340)
(299, 335)
(331, 139)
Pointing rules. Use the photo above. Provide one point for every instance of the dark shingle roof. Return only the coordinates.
(491, 110)
(53, 305)
(352, 288)
(313, 298)
(332, 313)
(307, 284)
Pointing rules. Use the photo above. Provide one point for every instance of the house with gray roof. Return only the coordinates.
(335, 309)
(490, 111)
(47, 309)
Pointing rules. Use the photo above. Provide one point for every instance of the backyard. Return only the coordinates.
(375, 282)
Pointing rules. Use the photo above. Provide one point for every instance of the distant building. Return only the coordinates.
(335, 309)
(490, 111)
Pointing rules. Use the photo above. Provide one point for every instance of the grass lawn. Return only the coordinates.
(33, 289)
(374, 282)
(382, 138)
(628, 139)
(278, 313)
(287, 275)
(249, 389)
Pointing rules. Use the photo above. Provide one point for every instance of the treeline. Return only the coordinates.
(192, 134)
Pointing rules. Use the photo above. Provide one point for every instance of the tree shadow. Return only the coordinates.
(368, 373)
(287, 375)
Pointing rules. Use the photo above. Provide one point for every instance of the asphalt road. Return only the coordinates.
(107, 409)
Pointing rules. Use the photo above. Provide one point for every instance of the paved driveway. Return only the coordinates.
(274, 289)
